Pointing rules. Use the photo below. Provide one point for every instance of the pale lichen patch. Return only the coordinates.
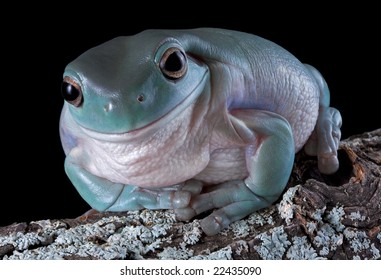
(359, 241)
(335, 216)
(173, 253)
(274, 244)
(286, 206)
(375, 252)
(318, 214)
(241, 246)
(262, 217)
(301, 249)
(149, 217)
(270, 220)
(225, 253)
(311, 227)
(256, 219)
(240, 229)
(191, 232)
(44, 235)
(356, 216)
(328, 239)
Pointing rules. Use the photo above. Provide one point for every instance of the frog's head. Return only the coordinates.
(129, 83)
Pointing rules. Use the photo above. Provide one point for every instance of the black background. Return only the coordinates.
(35, 49)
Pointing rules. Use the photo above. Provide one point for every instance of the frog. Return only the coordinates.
(204, 122)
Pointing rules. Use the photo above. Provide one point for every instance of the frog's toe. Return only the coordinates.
(328, 145)
(223, 217)
(185, 214)
(197, 204)
(174, 200)
(180, 199)
(215, 222)
(328, 163)
(325, 140)
(326, 151)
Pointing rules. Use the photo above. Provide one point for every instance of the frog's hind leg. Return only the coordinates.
(269, 160)
(325, 138)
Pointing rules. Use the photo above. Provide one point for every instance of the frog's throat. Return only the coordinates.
(151, 127)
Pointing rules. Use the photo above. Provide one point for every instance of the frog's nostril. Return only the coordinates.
(108, 107)
(140, 98)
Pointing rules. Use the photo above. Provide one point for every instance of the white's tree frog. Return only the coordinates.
(192, 120)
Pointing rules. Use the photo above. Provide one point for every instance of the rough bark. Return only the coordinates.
(318, 217)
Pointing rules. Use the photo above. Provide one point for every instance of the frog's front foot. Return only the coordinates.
(234, 200)
(325, 139)
(172, 197)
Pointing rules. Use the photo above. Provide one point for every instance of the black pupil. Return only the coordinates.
(174, 62)
(69, 92)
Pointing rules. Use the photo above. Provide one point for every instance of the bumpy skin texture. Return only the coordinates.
(192, 120)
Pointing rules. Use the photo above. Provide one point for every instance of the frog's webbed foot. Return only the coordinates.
(325, 139)
(269, 159)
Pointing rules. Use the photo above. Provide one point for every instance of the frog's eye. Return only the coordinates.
(173, 63)
(71, 92)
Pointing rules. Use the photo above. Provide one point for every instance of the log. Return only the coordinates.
(318, 217)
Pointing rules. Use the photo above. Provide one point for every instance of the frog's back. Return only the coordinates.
(267, 77)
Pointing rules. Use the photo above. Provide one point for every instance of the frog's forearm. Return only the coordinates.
(100, 193)
(104, 195)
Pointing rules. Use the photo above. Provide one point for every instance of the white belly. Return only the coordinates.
(224, 165)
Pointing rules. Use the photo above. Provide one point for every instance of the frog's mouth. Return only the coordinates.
(150, 128)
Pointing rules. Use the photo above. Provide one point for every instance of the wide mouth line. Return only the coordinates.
(119, 136)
